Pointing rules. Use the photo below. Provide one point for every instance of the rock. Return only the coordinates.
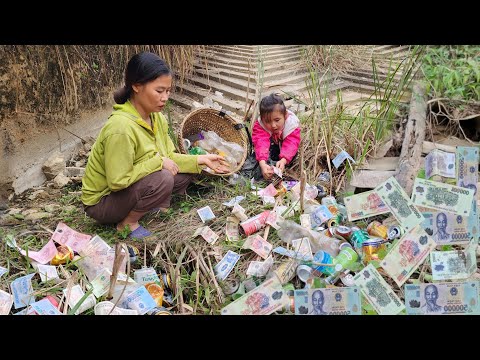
(60, 181)
(10, 198)
(80, 163)
(34, 195)
(70, 208)
(51, 208)
(14, 211)
(53, 166)
(38, 216)
(29, 211)
(73, 171)
(8, 220)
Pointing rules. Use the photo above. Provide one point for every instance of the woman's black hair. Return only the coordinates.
(141, 69)
(269, 104)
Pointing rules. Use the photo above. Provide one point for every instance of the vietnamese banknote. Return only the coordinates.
(44, 307)
(407, 254)
(258, 244)
(44, 255)
(260, 268)
(443, 197)
(104, 308)
(442, 298)
(208, 234)
(303, 248)
(22, 291)
(226, 265)
(328, 301)
(139, 300)
(454, 264)
(439, 162)
(448, 229)
(364, 205)
(64, 235)
(47, 272)
(6, 302)
(265, 299)
(320, 215)
(378, 293)
(402, 208)
(76, 294)
(231, 229)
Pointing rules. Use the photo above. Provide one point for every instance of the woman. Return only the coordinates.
(132, 168)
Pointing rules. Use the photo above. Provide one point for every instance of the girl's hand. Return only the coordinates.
(170, 165)
(215, 162)
(281, 164)
(267, 170)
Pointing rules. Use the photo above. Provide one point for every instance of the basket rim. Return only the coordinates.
(226, 116)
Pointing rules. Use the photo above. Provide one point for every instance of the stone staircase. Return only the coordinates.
(233, 76)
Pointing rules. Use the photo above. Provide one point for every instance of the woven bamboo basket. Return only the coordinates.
(225, 126)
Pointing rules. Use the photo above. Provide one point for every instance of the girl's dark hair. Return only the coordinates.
(269, 104)
(141, 69)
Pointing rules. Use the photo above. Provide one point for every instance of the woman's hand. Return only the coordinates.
(281, 164)
(267, 170)
(170, 165)
(215, 162)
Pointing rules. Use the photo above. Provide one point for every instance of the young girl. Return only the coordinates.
(275, 135)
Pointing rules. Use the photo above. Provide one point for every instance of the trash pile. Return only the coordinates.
(376, 252)
(346, 264)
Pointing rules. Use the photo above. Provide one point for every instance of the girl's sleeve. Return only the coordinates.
(261, 142)
(290, 145)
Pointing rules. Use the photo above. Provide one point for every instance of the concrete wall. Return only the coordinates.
(24, 166)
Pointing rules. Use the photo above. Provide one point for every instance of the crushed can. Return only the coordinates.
(159, 310)
(254, 224)
(64, 253)
(375, 228)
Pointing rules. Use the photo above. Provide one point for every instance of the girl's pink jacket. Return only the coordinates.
(289, 139)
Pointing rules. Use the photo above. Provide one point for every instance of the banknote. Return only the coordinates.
(265, 299)
(302, 247)
(239, 212)
(443, 298)
(101, 283)
(139, 300)
(268, 200)
(402, 208)
(260, 268)
(226, 265)
(67, 236)
(231, 229)
(47, 272)
(286, 271)
(104, 308)
(443, 197)
(232, 202)
(76, 294)
(439, 162)
(448, 229)
(378, 293)
(258, 244)
(328, 301)
(206, 214)
(467, 177)
(455, 264)
(22, 291)
(6, 302)
(364, 205)
(407, 254)
(96, 256)
(268, 191)
(44, 307)
(340, 158)
(305, 221)
(320, 215)
(3, 270)
(43, 256)
(274, 219)
(207, 234)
